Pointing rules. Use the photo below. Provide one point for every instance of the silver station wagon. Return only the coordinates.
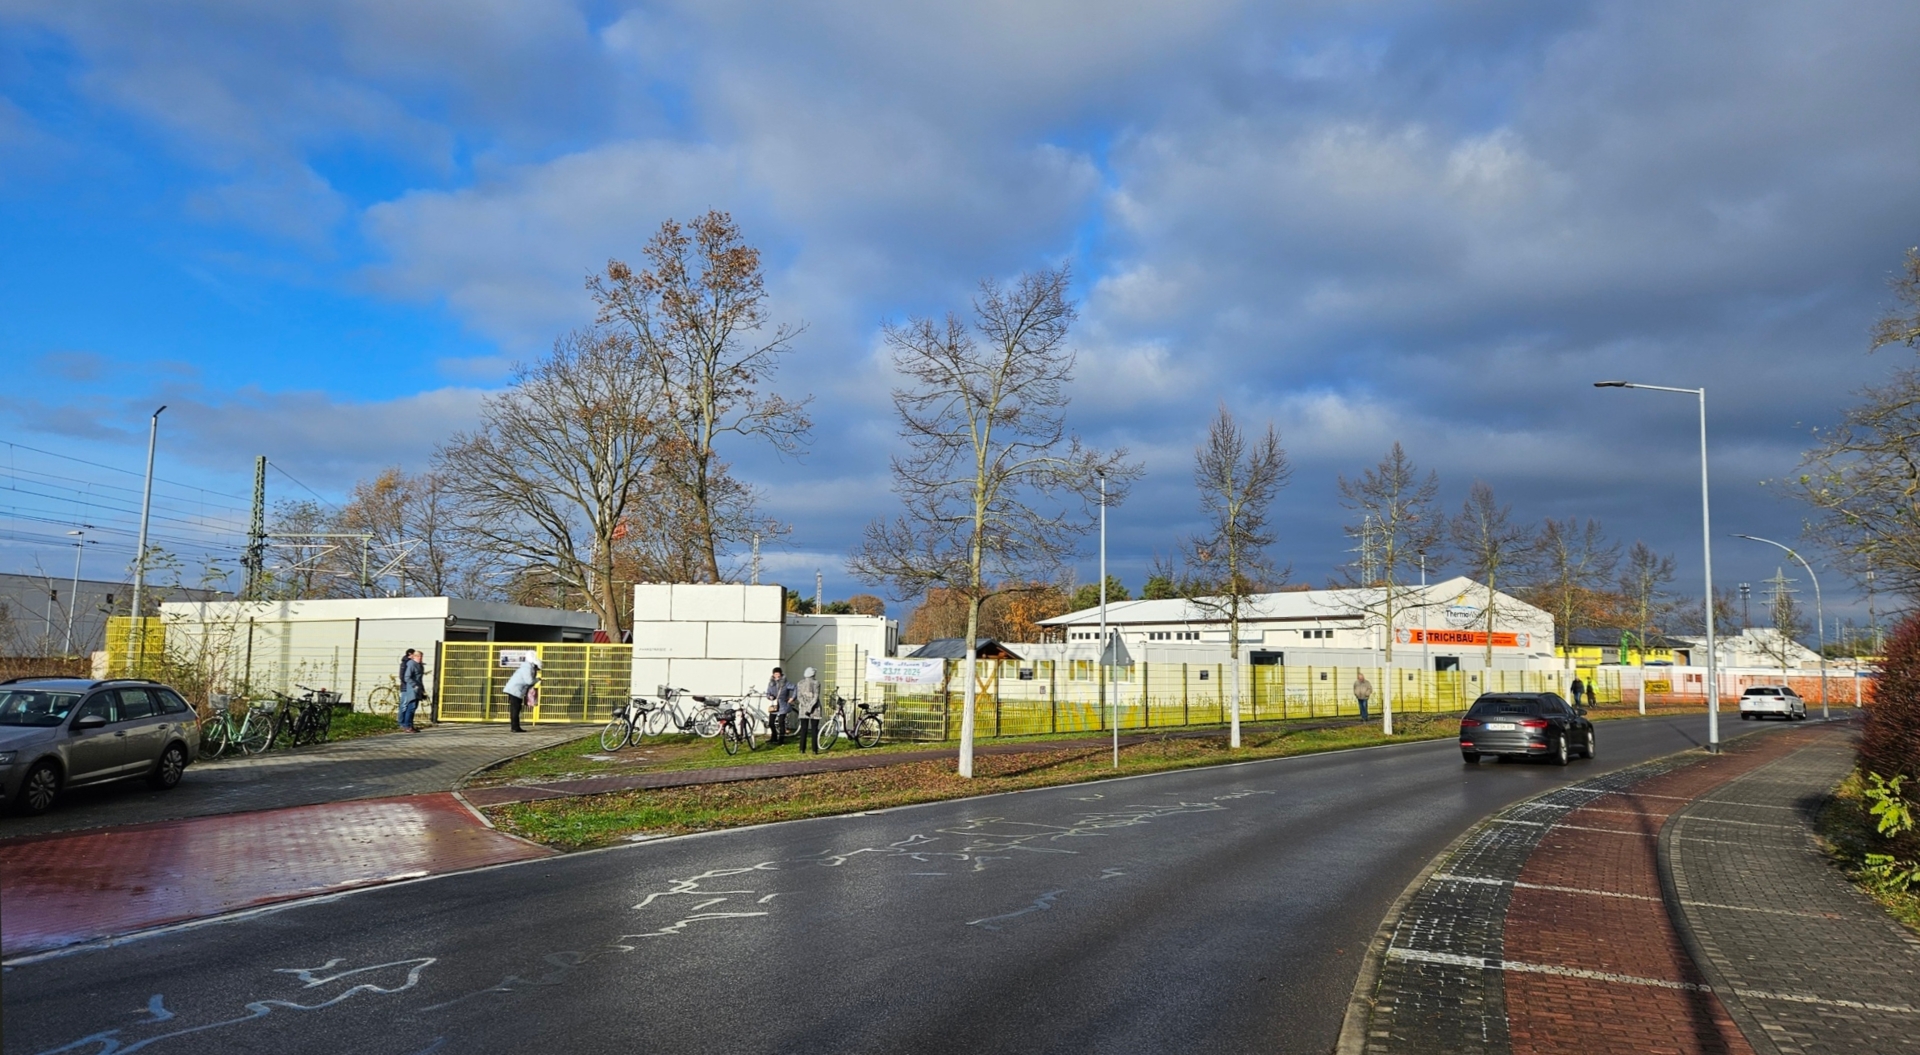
(58, 733)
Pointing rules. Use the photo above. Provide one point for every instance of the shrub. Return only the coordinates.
(1890, 746)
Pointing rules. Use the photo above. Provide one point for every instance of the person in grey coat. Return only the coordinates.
(806, 700)
(780, 694)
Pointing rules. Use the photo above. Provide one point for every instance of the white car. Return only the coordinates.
(1772, 701)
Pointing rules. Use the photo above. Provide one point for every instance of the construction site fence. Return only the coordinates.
(589, 682)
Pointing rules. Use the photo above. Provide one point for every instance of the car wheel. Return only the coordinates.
(166, 772)
(40, 788)
(1588, 751)
(1472, 757)
(1561, 754)
(1744, 716)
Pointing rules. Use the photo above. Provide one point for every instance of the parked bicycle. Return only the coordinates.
(307, 719)
(865, 731)
(250, 734)
(736, 728)
(644, 716)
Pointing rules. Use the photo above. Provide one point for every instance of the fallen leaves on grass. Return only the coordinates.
(599, 820)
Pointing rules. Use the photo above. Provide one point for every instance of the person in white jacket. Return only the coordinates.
(523, 682)
(806, 700)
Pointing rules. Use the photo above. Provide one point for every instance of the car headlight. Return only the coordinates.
(6, 758)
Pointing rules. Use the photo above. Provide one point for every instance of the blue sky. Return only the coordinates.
(322, 231)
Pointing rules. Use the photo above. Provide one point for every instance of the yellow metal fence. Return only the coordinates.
(578, 683)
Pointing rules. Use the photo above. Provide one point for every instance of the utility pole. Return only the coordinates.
(756, 558)
(140, 555)
(73, 600)
(1746, 605)
(256, 558)
(819, 593)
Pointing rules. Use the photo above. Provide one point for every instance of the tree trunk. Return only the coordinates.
(966, 715)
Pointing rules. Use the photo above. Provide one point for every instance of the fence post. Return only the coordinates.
(1186, 708)
(1146, 701)
(1053, 696)
(353, 668)
(433, 701)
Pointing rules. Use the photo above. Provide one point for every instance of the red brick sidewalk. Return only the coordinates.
(63, 889)
(1547, 930)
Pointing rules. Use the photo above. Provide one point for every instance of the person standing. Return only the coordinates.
(1579, 691)
(806, 700)
(522, 683)
(1362, 692)
(413, 674)
(780, 695)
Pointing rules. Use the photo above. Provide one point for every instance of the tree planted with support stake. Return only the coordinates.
(1227, 566)
(997, 493)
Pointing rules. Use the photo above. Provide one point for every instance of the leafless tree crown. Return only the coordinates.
(1238, 480)
(995, 490)
(1495, 549)
(1398, 522)
(562, 468)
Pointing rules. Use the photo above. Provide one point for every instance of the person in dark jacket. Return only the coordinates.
(780, 702)
(413, 686)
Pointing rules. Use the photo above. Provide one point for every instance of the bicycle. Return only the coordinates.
(252, 735)
(643, 717)
(866, 731)
(384, 699)
(736, 728)
(306, 720)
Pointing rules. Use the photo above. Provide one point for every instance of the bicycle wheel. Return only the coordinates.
(868, 734)
(256, 732)
(706, 724)
(653, 723)
(615, 735)
(384, 699)
(730, 737)
(829, 732)
(214, 736)
(746, 731)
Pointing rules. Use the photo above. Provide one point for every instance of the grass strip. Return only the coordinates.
(1847, 834)
(600, 820)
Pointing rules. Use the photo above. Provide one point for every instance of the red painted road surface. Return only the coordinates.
(63, 889)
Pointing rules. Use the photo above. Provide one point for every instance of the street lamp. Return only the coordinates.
(140, 556)
(1106, 675)
(1706, 550)
(1820, 613)
(73, 600)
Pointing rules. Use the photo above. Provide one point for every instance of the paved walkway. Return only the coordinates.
(62, 890)
(1678, 906)
(370, 767)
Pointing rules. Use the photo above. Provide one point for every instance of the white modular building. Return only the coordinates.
(1442, 626)
(351, 646)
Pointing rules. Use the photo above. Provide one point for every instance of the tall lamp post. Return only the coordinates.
(1706, 552)
(1819, 608)
(140, 555)
(73, 600)
(1106, 647)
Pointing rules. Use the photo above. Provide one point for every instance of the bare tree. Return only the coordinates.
(1863, 477)
(414, 545)
(1572, 567)
(1398, 523)
(1643, 589)
(991, 470)
(1494, 547)
(303, 561)
(560, 467)
(695, 319)
(1229, 565)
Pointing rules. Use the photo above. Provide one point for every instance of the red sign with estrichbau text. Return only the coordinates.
(1466, 637)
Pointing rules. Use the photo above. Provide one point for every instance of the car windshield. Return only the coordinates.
(35, 706)
(1495, 705)
(1763, 692)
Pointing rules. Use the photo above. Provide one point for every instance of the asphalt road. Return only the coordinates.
(1218, 910)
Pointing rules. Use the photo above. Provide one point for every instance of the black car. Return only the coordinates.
(1525, 725)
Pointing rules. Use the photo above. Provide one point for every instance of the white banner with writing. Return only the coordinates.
(889, 671)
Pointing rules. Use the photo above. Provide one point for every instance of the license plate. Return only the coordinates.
(1500, 727)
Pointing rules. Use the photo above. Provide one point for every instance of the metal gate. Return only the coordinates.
(578, 683)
